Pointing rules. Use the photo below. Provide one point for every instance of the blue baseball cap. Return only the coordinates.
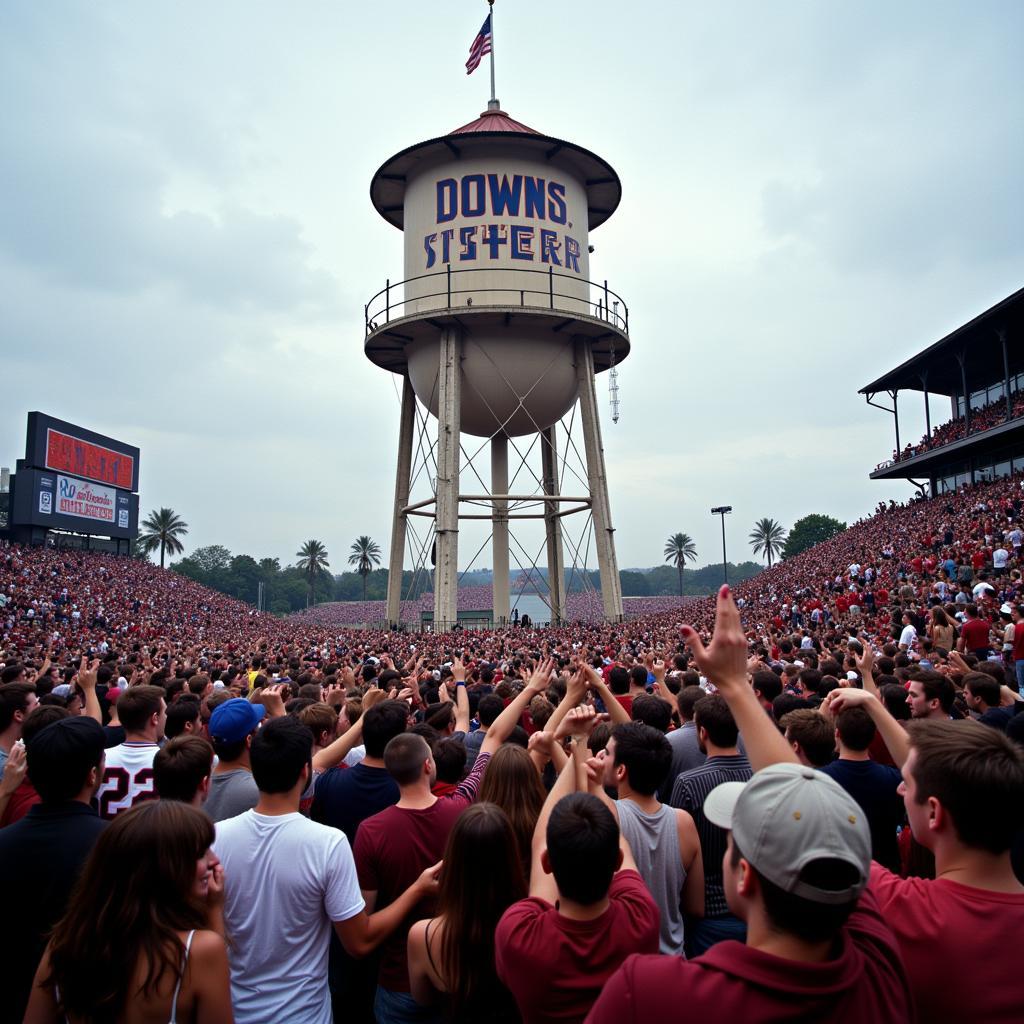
(235, 719)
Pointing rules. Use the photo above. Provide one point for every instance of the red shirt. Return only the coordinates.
(975, 634)
(978, 559)
(393, 848)
(734, 982)
(555, 966)
(959, 945)
(1018, 641)
(25, 796)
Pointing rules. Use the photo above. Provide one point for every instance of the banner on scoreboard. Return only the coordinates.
(60, 502)
(86, 500)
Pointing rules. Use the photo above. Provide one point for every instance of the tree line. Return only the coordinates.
(309, 581)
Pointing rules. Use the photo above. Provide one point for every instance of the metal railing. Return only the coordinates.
(609, 305)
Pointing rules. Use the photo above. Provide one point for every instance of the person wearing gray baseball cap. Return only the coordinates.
(803, 834)
(795, 870)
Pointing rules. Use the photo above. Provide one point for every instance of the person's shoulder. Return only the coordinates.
(646, 987)
(629, 893)
(381, 822)
(890, 890)
(207, 945)
(532, 908)
(228, 829)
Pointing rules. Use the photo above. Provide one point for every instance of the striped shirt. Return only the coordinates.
(689, 792)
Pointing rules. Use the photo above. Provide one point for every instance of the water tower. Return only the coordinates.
(498, 330)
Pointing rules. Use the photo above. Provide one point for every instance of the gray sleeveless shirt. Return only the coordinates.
(654, 840)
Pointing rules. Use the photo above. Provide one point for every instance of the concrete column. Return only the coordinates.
(604, 532)
(406, 427)
(446, 571)
(553, 526)
(499, 521)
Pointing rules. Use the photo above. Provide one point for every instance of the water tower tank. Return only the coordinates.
(496, 219)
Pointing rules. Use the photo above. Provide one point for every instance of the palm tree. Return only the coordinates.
(365, 555)
(679, 549)
(767, 537)
(312, 561)
(162, 530)
(270, 565)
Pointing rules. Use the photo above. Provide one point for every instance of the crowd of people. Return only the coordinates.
(802, 799)
(580, 606)
(984, 418)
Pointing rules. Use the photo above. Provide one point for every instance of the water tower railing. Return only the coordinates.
(442, 291)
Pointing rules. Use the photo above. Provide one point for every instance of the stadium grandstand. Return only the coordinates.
(980, 368)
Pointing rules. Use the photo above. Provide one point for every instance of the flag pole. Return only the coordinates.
(493, 104)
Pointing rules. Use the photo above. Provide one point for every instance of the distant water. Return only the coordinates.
(532, 605)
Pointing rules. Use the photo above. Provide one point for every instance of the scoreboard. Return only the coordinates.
(75, 480)
(64, 448)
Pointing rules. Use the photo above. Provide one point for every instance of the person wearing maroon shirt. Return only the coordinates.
(974, 635)
(1018, 645)
(963, 787)
(401, 841)
(796, 869)
(588, 907)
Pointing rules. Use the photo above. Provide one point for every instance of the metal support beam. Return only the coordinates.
(927, 410)
(446, 575)
(962, 360)
(396, 561)
(1006, 373)
(894, 395)
(499, 529)
(553, 526)
(604, 532)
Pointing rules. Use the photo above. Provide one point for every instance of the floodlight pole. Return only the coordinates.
(723, 511)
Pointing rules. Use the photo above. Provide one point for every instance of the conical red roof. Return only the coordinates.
(494, 121)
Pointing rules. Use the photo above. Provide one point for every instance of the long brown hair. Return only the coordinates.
(481, 878)
(513, 783)
(135, 893)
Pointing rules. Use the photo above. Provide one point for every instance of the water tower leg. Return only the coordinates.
(499, 540)
(604, 532)
(553, 526)
(446, 575)
(398, 522)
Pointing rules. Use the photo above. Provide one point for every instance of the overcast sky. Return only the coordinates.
(811, 193)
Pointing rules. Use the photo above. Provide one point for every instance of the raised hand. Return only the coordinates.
(865, 660)
(724, 660)
(372, 697)
(14, 771)
(542, 742)
(541, 675)
(87, 673)
(273, 701)
(580, 722)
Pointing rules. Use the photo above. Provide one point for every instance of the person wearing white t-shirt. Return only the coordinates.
(128, 772)
(999, 558)
(288, 882)
(909, 635)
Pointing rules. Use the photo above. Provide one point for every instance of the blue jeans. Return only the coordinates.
(704, 932)
(1019, 666)
(392, 1007)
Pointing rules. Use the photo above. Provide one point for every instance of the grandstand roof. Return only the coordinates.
(937, 368)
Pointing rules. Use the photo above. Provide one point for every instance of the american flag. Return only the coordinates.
(481, 46)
